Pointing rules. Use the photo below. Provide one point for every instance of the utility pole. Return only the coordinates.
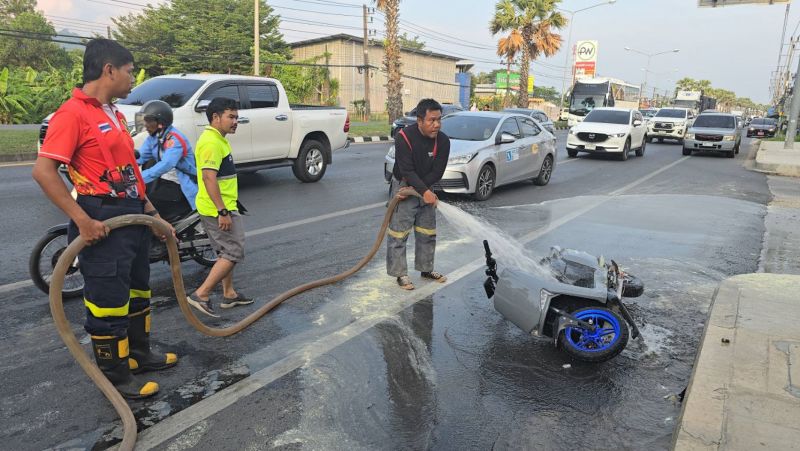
(794, 111)
(108, 30)
(366, 64)
(780, 51)
(256, 40)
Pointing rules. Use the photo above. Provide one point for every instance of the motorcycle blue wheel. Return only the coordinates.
(608, 339)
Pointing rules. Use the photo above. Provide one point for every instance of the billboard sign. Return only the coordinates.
(585, 59)
(501, 82)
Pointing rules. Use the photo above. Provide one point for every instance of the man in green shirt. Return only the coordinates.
(217, 204)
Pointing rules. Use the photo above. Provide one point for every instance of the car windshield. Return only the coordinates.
(715, 121)
(469, 128)
(175, 91)
(669, 112)
(608, 117)
(648, 113)
(763, 121)
(582, 104)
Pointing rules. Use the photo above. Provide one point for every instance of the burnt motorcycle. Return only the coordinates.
(579, 305)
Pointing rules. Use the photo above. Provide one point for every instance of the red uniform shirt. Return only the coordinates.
(72, 138)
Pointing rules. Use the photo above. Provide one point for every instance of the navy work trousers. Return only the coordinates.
(116, 270)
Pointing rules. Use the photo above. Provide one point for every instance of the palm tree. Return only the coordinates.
(534, 20)
(391, 58)
(508, 47)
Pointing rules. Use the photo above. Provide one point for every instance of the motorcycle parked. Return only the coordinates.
(580, 308)
(193, 244)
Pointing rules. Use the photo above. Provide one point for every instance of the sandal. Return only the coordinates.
(435, 276)
(405, 283)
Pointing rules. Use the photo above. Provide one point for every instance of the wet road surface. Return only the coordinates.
(364, 366)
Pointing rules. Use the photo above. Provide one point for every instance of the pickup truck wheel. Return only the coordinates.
(310, 164)
(687, 151)
(572, 153)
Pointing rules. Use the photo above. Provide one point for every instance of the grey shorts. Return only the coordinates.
(228, 244)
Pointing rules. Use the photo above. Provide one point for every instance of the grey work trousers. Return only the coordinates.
(410, 213)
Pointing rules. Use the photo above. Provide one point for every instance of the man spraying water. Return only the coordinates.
(421, 153)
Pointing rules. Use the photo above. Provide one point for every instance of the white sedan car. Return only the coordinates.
(489, 149)
(609, 130)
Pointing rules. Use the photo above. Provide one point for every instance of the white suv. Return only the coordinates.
(669, 123)
(608, 130)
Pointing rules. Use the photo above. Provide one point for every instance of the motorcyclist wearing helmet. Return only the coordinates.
(174, 171)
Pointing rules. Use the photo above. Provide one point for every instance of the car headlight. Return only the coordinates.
(618, 135)
(679, 124)
(728, 138)
(689, 136)
(751, 129)
(462, 159)
(772, 129)
(572, 132)
(391, 153)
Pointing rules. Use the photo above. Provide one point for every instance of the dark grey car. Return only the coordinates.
(537, 115)
(762, 126)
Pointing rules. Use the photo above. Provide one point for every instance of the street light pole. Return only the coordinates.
(648, 55)
(569, 44)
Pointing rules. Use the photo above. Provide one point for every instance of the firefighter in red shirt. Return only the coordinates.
(90, 136)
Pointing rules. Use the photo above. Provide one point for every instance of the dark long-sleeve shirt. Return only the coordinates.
(418, 166)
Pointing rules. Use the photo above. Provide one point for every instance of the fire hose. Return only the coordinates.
(97, 376)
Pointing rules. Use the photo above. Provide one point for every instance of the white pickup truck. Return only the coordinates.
(271, 133)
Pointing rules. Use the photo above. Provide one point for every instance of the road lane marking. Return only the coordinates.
(16, 285)
(185, 419)
(300, 222)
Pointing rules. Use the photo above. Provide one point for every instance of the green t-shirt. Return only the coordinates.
(213, 151)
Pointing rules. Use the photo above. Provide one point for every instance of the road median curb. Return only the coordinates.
(771, 157)
(742, 393)
(368, 139)
(18, 157)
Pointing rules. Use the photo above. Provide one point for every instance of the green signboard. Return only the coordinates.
(501, 81)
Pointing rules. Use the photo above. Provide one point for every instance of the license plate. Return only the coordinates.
(760, 133)
(590, 146)
(707, 144)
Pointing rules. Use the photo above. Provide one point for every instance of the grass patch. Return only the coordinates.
(782, 138)
(370, 129)
(18, 141)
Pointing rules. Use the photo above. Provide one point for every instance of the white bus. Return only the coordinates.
(590, 93)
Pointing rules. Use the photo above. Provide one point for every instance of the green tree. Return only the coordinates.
(33, 49)
(391, 58)
(535, 21)
(408, 42)
(200, 36)
(549, 94)
(308, 84)
(13, 8)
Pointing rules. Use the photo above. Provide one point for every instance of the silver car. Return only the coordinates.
(489, 149)
(714, 132)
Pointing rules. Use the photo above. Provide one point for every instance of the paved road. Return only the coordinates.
(364, 366)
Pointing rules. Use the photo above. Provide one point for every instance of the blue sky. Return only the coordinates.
(735, 47)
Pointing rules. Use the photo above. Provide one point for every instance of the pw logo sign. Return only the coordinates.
(586, 51)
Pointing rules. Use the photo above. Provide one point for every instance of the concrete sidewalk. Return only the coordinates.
(772, 157)
(744, 392)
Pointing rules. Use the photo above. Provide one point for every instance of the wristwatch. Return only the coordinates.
(224, 212)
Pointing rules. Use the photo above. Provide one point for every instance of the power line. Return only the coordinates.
(330, 3)
(315, 12)
(77, 20)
